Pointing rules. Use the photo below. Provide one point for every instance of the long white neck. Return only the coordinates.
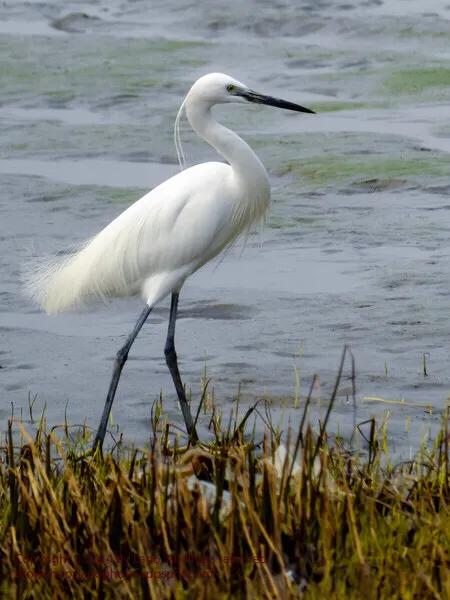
(246, 166)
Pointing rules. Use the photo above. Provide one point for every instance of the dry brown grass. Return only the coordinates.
(232, 519)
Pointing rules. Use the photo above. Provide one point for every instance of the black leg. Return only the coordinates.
(172, 363)
(119, 362)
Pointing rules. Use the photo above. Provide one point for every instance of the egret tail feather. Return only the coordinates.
(89, 274)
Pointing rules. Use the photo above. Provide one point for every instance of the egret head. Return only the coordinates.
(218, 88)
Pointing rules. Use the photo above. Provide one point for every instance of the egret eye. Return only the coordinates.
(231, 87)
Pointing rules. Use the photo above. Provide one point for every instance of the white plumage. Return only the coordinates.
(154, 245)
(173, 230)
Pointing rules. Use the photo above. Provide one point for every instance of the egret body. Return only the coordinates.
(154, 245)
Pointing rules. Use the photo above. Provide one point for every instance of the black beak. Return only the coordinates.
(260, 99)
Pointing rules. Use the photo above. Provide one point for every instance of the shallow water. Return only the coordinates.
(356, 248)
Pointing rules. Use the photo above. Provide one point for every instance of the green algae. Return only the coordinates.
(61, 69)
(48, 139)
(337, 106)
(119, 195)
(417, 81)
(331, 169)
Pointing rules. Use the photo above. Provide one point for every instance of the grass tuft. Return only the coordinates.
(235, 518)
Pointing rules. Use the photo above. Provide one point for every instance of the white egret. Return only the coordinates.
(154, 245)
